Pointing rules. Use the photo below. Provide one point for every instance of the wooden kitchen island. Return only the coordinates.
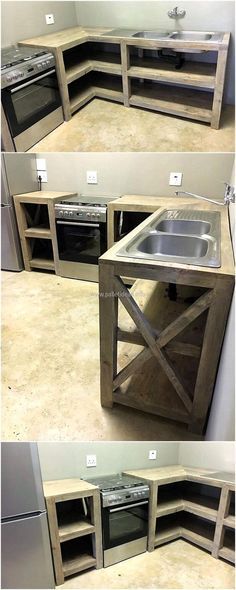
(91, 63)
(194, 504)
(167, 362)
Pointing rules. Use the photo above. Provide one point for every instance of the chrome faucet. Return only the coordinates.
(229, 195)
(176, 13)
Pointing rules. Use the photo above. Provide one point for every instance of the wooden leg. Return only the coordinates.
(219, 88)
(55, 541)
(213, 339)
(62, 82)
(152, 515)
(22, 226)
(220, 529)
(125, 61)
(96, 520)
(108, 305)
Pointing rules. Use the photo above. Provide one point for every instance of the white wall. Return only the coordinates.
(23, 20)
(200, 15)
(62, 460)
(213, 455)
(221, 424)
(138, 173)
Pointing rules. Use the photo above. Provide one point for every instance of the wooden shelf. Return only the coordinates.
(42, 263)
(197, 74)
(229, 521)
(70, 529)
(192, 104)
(80, 98)
(169, 507)
(38, 232)
(107, 63)
(228, 554)
(78, 563)
(103, 87)
(170, 533)
(77, 70)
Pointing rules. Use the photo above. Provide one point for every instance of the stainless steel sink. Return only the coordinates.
(179, 235)
(173, 245)
(183, 226)
(152, 35)
(191, 36)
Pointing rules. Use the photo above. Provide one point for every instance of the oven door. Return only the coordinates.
(122, 524)
(28, 102)
(80, 241)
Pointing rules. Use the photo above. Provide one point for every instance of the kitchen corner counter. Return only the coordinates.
(172, 473)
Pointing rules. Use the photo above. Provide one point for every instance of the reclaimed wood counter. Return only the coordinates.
(157, 379)
(114, 74)
(35, 217)
(194, 504)
(68, 522)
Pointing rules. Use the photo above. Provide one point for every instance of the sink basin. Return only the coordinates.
(183, 226)
(191, 36)
(173, 245)
(178, 235)
(151, 35)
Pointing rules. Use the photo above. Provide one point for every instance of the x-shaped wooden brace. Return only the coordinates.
(155, 343)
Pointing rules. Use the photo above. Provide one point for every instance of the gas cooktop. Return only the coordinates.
(81, 200)
(109, 483)
(13, 55)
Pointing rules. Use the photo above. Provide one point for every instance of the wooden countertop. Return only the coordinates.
(43, 196)
(173, 473)
(227, 258)
(66, 489)
(68, 38)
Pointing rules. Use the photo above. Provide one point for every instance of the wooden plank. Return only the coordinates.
(169, 507)
(108, 308)
(22, 227)
(81, 98)
(68, 489)
(75, 71)
(125, 61)
(71, 529)
(228, 554)
(201, 75)
(213, 338)
(146, 331)
(97, 521)
(229, 521)
(219, 88)
(196, 538)
(192, 104)
(61, 77)
(55, 541)
(158, 409)
(38, 232)
(170, 534)
(78, 564)
(153, 498)
(220, 529)
(43, 263)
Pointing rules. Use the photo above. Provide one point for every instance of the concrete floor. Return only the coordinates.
(174, 565)
(50, 358)
(106, 126)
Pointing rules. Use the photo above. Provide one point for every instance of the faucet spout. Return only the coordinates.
(176, 13)
(229, 196)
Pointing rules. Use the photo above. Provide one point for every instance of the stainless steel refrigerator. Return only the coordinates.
(18, 175)
(26, 551)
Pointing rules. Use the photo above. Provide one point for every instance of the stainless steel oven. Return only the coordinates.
(31, 99)
(81, 227)
(124, 508)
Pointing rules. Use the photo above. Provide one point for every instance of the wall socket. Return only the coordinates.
(175, 178)
(92, 177)
(91, 460)
(43, 174)
(49, 19)
(152, 455)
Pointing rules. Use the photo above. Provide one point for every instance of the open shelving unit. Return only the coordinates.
(199, 513)
(183, 84)
(75, 526)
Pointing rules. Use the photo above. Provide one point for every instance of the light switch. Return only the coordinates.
(152, 455)
(175, 178)
(49, 19)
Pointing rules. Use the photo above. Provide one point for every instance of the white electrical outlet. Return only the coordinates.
(175, 178)
(49, 19)
(152, 455)
(43, 174)
(91, 460)
(92, 177)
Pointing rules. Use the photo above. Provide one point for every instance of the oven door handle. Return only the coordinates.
(78, 223)
(12, 91)
(129, 506)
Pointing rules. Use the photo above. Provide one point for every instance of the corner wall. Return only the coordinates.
(208, 455)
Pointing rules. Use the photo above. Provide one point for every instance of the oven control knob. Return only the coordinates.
(88, 214)
(98, 214)
(66, 213)
(71, 213)
(61, 213)
(39, 66)
(93, 215)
